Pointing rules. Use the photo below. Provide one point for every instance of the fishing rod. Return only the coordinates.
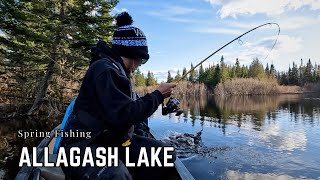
(173, 103)
(185, 75)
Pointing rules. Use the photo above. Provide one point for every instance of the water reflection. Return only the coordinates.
(266, 136)
(277, 137)
(250, 108)
(230, 174)
(269, 137)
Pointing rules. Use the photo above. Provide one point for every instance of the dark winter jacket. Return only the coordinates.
(105, 99)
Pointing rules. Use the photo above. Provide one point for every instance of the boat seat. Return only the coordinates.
(48, 173)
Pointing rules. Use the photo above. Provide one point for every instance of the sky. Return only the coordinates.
(181, 32)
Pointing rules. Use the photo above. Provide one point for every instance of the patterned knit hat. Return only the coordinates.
(129, 41)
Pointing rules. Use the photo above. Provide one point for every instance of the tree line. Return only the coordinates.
(221, 71)
(300, 74)
(141, 81)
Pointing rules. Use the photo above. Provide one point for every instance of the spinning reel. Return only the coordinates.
(172, 106)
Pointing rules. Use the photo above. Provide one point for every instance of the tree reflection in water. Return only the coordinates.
(267, 136)
(281, 123)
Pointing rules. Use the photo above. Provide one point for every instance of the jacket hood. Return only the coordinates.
(102, 50)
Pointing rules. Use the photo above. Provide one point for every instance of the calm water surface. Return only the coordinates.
(266, 137)
(275, 137)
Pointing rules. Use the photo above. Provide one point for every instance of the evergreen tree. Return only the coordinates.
(244, 71)
(238, 69)
(233, 72)
(47, 35)
(301, 73)
(151, 80)
(316, 72)
(169, 78)
(284, 78)
(139, 78)
(192, 74)
(314, 76)
(201, 74)
(184, 72)
(217, 75)
(224, 70)
(209, 76)
(256, 69)
(272, 71)
(178, 76)
(289, 75)
(267, 70)
(278, 77)
(196, 75)
(294, 77)
(308, 75)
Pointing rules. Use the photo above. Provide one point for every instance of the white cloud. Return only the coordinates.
(173, 11)
(117, 10)
(234, 8)
(285, 23)
(170, 17)
(261, 49)
(242, 25)
(206, 64)
(288, 44)
(285, 43)
(298, 22)
(176, 13)
(161, 76)
(179, 10)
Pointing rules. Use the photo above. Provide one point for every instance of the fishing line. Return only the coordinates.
(240, 42)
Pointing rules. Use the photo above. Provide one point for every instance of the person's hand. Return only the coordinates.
(166, 89)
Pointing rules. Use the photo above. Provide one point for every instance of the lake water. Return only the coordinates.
(262, 137)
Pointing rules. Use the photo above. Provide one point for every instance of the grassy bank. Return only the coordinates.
(183, 89)
(250, 86)
(235, 87)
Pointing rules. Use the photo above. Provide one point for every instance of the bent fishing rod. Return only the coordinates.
(173, 103)
(237, 38)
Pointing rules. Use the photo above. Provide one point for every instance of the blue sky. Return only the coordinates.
(183, 32)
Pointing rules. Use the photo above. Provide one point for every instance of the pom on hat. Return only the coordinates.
(129, 41)
(124, 19)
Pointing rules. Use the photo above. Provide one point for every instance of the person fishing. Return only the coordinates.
(108, 107)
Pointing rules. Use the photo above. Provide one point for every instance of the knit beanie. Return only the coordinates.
(129, 41)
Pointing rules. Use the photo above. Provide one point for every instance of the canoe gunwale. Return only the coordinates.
(25, 172)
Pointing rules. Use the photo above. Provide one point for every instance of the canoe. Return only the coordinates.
(56, 173)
